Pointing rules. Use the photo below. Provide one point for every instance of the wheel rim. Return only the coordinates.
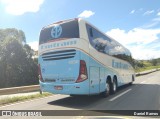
(107, 88)
(114, 86)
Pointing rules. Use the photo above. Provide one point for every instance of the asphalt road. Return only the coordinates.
(144, 94)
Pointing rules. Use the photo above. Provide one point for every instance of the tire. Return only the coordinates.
(107, 91)
(114, 86)
(132, 80)
(130, 83)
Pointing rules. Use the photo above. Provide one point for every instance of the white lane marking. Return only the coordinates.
(142, 82)
(114, 98)
(26, 101)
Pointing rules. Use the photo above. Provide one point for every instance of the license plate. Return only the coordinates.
(58, 87)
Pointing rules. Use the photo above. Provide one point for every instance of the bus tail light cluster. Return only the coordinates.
(82, 72)
(40, 73)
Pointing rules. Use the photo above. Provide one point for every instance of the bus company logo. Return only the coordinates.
(56, 31)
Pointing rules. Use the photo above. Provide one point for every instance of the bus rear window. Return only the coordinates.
(68, 29)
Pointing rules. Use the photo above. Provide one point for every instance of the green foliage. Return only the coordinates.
(138, 63)
(17, 67)
(12, 33)
(147, 63)
(142, 65)
(146, 68)
(154, 62)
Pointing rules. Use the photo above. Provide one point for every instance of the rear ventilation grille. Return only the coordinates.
(58, 55)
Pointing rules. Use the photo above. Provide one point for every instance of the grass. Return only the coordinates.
(146, 68)
(9, 100)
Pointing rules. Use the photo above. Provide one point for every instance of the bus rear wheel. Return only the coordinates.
(114, 87)
(107, 91)
(132, 80)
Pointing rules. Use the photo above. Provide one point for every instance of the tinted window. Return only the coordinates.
(106, 45)
(63, 30)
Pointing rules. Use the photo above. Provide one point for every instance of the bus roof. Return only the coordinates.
(80, 19)
(59, 22)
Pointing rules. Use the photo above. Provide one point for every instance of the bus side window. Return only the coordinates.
(91, 32)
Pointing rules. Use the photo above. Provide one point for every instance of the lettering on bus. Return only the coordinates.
(55, 45)
(119, 65)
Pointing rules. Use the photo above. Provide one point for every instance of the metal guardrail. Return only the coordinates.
(21, 89)
(24, 89)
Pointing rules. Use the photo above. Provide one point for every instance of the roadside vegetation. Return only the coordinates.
(17, 67)
(8, 100)
(143, 65)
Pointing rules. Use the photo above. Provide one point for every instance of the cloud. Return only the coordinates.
(136, 35)
(133, 11)
(34, 45)
(142, 52)
(158, 14)
(148, 12)
(19, 7)
(150, 25)
(137, 40)
(157, 19)
(153, 23)
(86, 14)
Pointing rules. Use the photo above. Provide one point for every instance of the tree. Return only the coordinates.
(138, 63)
(154, 62)
(17, 67)
(12, 33)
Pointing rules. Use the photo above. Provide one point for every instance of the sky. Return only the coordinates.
(133, 23)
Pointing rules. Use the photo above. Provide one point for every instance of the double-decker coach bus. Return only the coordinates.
(76, 58)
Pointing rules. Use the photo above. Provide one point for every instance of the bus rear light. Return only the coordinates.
(39, 73)
(82, 72)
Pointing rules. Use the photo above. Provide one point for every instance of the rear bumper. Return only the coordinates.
(81, 88)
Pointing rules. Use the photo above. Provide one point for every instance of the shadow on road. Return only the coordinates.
(78, 102)
(140, 98)
(82, 102)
